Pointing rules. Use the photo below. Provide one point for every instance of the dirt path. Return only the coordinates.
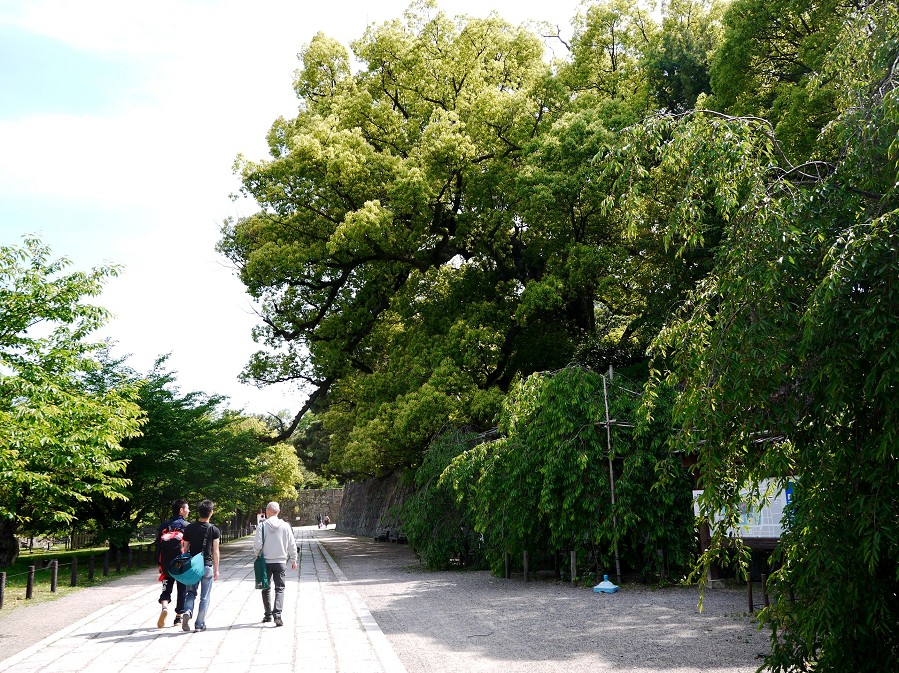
(442, 622)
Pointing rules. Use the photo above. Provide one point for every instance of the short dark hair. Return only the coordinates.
(177, 505)
(205, 508)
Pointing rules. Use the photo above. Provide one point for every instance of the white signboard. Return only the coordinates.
(764, 521)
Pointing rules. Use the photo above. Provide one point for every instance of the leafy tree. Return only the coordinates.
(434, 523)
(384, 257)
(187, 448)
(546, 483)
(770, 51)
(59, 439)
(785, 354)
(677, 61)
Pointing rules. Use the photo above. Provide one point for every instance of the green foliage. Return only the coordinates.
(187, 448)
(785, 354)
(432, 520)
(59, 439)
(545, 483)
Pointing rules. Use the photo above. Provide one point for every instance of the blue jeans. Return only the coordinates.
(205, 585)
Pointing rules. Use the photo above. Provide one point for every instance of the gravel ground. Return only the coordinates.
(442, 622)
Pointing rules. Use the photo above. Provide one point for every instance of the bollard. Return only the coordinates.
(90, 567)
(74, 579)
(2, 588)
(29, 588)
(106, 563)
(130, 557)
(526, 578)
(749, 593)
(765, 590)
(508, 563)
(118, 561)
(54, 575)
(573, 565)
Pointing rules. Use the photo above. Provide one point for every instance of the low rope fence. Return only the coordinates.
(135, 557)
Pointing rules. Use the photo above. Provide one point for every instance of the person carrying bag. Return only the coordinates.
(275, 546)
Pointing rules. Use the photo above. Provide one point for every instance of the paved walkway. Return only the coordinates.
(327, 628)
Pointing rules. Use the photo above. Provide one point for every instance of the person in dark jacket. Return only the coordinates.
(168, 546)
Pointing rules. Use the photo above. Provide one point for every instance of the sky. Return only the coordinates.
(119, 126)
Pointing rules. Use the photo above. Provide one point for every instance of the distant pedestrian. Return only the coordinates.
(327, 521)
(201, 537)
(321, 520)
(275, 540)
(168, 546)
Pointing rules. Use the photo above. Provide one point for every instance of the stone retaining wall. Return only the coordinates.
(305, 509)
(366, 509)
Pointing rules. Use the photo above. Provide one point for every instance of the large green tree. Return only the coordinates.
(60, 440)
(785, 355)
(189, 447)
(431, 226)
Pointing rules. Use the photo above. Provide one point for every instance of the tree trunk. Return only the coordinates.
(9, 543)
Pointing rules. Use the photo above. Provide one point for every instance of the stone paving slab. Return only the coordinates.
(327, 628)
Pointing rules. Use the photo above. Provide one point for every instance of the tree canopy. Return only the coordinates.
(60, 440)
(709, 201)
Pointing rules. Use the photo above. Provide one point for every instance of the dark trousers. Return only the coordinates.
(276, 574)
(166, 595)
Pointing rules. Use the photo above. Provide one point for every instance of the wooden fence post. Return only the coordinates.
(573, 565)
(2, 588)
(29, 588)
(106, 563)
(74, 581)
(90, 567)
(749, 593)
(54, 575)
(130, 557)
(118, 560)
(526, 578)
(507, 562)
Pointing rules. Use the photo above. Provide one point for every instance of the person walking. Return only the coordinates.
(275, 540)
(201, 537)
(168, 546)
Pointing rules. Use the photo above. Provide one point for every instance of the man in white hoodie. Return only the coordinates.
(275, 539)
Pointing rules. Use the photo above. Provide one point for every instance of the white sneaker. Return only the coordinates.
(163, 615)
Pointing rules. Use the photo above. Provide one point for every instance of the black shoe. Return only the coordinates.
(278, 622)
(266, 619)
(177, 620)
(199, 628)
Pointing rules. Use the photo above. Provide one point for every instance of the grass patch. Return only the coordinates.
(17, 573)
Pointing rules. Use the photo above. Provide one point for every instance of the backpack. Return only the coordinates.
(168, 542)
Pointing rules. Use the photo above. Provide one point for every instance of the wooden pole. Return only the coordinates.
(74, 579)
(29, 588)
(54, 575)
(2, 588)
(605, 393)
(573, 565)
(526, 578)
